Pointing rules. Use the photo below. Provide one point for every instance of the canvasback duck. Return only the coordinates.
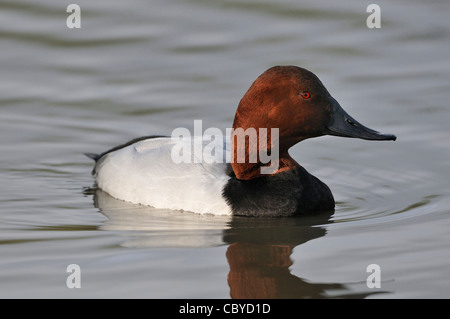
(291, 100)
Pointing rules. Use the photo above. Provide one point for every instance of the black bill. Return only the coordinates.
(342, 124)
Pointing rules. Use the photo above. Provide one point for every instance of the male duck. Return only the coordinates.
(289, 98)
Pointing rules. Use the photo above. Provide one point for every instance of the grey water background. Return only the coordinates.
(146, 67)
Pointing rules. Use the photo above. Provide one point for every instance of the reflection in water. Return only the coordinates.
(259, 249)
(259, 257)
(144, 226)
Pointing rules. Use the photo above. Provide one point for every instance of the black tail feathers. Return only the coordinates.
(93, 156)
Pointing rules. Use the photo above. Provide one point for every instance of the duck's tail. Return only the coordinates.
(93, 156)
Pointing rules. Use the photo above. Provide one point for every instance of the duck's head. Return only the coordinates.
(296, 102)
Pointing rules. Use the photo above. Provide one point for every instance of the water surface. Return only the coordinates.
(146, 67)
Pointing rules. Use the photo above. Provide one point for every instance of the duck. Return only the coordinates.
(291, 103)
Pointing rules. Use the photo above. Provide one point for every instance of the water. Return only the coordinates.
(146, 67)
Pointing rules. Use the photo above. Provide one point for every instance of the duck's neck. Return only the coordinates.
(253, 158)
(257, 149)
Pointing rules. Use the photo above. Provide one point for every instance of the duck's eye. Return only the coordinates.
(305, 95)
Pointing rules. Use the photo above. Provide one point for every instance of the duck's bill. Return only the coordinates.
(344, 125)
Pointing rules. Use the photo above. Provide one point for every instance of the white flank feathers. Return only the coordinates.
(145, 173)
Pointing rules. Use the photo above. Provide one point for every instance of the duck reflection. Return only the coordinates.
(259, 249)
(259, 256)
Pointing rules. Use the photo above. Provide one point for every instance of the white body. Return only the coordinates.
(145, 173)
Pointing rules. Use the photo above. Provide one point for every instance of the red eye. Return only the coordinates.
(306, 95)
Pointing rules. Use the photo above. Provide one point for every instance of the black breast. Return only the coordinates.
(289, 193)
